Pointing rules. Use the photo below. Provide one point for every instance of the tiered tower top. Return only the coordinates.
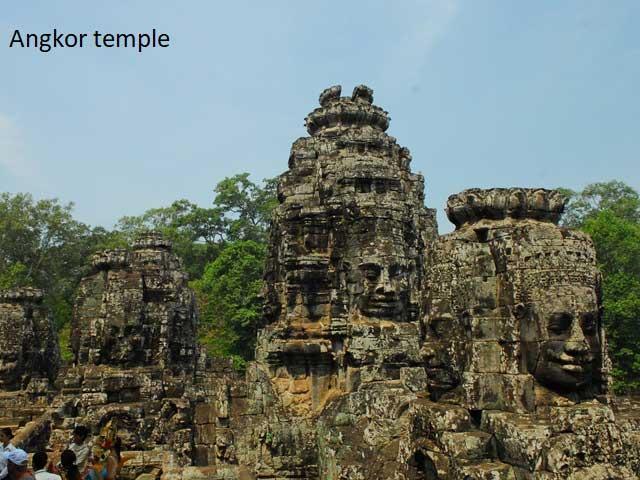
(337, 113)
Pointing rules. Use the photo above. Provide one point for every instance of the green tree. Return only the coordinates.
(241, 211)
(247, 207)
(42, 245)
(610, 213)
(196, 232)
(619, 198)
(223, 248)
(14, 275)
(230, 305)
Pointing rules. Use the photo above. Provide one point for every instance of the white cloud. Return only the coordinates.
(13, 157)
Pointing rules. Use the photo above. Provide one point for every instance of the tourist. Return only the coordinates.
(80, 446)
(17, 460)
(94, 464)
(5, 446)
(39, 467)
(69, 468)
(107, 460)
(113, 460)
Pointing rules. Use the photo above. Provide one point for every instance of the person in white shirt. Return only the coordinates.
(40, 467)
(5, 446)
(80, 446)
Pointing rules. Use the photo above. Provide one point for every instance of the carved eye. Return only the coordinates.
(396, 270)
(560, 322)
(589, 323)
(441, 326)
(438, 327)
(370, 271)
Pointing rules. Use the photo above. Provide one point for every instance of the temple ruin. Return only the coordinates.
(388, 351)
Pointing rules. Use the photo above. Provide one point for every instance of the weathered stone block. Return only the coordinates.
(414, 379)
(520, 440)
(467, 445)
(205, 413)
(206, 434)
(582, 418)
(430, 419)
(491, 356)
(487, 471)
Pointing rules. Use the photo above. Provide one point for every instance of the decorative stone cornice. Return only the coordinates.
(108, 259)
(475, 204)
(21, 294)
(346, 112)
(153, 240)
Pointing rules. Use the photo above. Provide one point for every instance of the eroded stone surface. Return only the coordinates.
(387, 352)
(513, 335)
(135, 309)
(29, 350)
(345, 257)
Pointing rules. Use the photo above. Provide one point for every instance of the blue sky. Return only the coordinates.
(483, 93)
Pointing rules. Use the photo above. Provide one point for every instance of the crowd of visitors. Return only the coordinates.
(82, 460)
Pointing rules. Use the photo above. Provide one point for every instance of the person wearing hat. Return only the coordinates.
(17, 460)
(5, 446)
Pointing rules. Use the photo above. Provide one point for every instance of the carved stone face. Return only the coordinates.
(11, 348)
(567, 354)
(8, 368)
(385, 287)
(443, 352)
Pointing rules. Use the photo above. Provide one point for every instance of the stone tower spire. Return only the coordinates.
(345, 255)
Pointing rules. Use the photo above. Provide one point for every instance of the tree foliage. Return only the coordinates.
(614, 196)
(197, 233)
(42, 245)
(228, 293)
(247, 206)
(610, 213)
(241, 211)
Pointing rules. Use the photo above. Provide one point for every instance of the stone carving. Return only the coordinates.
(135, 309)
(526, 294)
(387, 351)
(520, 301)
(28, 344)
(345, 258)
(135, 360)
(475, 205)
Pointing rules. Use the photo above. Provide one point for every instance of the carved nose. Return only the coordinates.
(385, 286)
(577, 343)
(429, 356)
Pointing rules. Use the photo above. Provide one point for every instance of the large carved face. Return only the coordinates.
(566, 355)
(444, 352)
(11, 348)
(8, 367)
(385, 287)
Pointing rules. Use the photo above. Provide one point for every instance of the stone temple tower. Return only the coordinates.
(135, 309)
(345, 256)
(28, 344)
